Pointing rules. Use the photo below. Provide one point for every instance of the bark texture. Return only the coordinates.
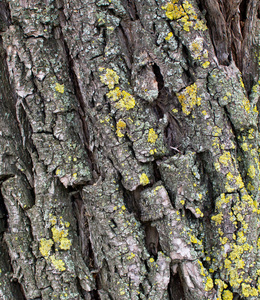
(129, 149)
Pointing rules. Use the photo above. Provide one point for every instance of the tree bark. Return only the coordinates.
(129, 149)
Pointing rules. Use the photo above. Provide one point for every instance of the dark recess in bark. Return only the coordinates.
(94, 295)
(5, 16)
(82, 225)
(152, 239)
(232, 27)
(130, 7)
(175, 288)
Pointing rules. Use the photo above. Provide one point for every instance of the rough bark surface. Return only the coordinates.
(129, 149)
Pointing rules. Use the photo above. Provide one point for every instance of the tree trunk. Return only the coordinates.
(129, 149)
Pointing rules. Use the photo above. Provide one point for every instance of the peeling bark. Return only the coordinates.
(129, 149)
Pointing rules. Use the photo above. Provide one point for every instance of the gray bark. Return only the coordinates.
(129, 149)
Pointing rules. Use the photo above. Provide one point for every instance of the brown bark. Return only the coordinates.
(129, 149)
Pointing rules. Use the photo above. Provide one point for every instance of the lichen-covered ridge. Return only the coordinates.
(129, 155)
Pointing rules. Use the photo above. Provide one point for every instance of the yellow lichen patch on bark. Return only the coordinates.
(59, 88)
(188, 98)
(185, 13)
(110, 78)
(65, 244)
(127, 101)
(144, 180)
(217, 218)
(123, 99)
(227, 295)
(196, 48)
(209, 284)
(152, 136)
(120, 125)
(169, 35)
(251, 171)
(58, 263)
(45, 247)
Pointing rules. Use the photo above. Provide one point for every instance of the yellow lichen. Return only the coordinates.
(185, 14)
(209, 284)
(244, 146)
(173, 11)
(227, 295)
(248, 291)
(251, 134)
(153, 151)
(127, 101)
(123, 99)
(217, 166)
(59, 88)
(250, 187)
(169, 35)
(120, 125)
(152, 136)
(45, 247)
(188, 98)
(110, 78)
(225, 158)
(217, 218)
(206, 64)
(200, 25)
(199, 212)
(241, 82)
(53, 220)
(58, 263)
(114, 94)
(144, 180)
(246, 104)
(65, 243)
(239, 181)
(196, 48)
(131, 256)
(217, 131)
(58, 233)
(251, 171)
(229, 176)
